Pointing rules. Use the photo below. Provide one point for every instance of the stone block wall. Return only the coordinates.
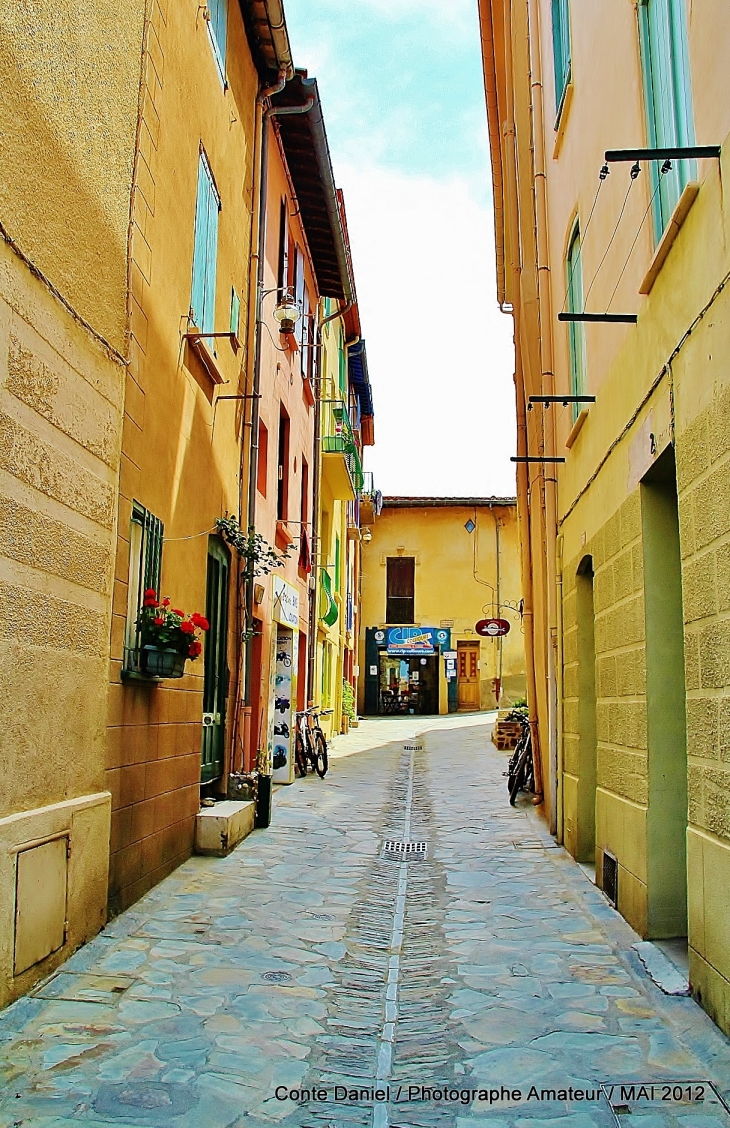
(703, 480)
(621, 732)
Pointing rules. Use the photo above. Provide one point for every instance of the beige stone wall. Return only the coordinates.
(61, 398)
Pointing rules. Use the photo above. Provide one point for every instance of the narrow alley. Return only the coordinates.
(468, 973)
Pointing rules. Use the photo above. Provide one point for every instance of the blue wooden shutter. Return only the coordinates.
(197, 299)
(218, 27)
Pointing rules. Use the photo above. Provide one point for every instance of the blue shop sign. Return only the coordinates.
(413, 641)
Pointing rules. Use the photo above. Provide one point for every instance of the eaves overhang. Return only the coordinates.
(446, 502)
(268, 38)
(489, 36)
(304, 141)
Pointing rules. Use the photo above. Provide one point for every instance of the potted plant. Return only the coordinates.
(168, 637)
(348, 705)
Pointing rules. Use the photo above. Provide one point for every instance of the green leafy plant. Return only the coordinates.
(348, 700)
(167, 628)
(260, 557)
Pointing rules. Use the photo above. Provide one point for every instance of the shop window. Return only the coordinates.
(561, 51)
(576, 331)
(282, 507)
(262, 465)
(400, 589)
(145, 565)
(205, 252)
(665, 65)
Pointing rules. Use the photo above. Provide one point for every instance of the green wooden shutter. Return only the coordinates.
(211, 258)
(576, 333)
(235, 312)
(663, 37)
(561, 50)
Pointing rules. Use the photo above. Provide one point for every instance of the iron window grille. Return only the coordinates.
(145, 567)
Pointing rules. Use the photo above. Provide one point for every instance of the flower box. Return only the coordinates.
(159, 662)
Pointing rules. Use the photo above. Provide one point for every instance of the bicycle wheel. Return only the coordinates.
(300, 756)
(321, 762)
(517, 782)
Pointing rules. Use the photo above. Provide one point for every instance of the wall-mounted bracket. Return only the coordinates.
(674, 152)
(610, 318)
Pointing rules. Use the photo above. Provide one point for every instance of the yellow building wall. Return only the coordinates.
(181, 451)
(455, 585)
(64, 208)
(662, 382)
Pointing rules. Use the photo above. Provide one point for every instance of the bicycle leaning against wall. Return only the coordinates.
(521, 770)
(310, 745)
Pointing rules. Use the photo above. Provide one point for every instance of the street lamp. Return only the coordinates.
(287, 313)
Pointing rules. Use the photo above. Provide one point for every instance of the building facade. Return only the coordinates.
(612, 257)
(435, 572)
(64, 207)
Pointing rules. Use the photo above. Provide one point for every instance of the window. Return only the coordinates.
(400, 581)
(304, 507)
(145, 565)
(202, 301)
(663, 34)
(299, 292)
(561, 52)
(282, 499)
(235, 313)
(217, 27)
(576, 332)
(262, 465)
(282, 274)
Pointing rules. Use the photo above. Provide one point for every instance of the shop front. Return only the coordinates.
(406, 671)
(284, 665)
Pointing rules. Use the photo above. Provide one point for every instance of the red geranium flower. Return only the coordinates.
(194, 649)
(158, 621)
(166, 602)
(150, 593)
(150, 602)
(181, 614)
(200, 621)
(187, 628)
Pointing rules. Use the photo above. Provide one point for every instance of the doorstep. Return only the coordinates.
(219, 829)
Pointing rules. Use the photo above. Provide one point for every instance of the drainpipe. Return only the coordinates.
(265, 114)
(312, 640)
(523, 506)
(548, 388)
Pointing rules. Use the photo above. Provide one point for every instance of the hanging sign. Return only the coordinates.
(285, 607)
(492, 628)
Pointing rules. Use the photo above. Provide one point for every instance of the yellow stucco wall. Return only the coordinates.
(68, 142)
(455, 584)
(181, 452)
(64, 207)
(655, 386)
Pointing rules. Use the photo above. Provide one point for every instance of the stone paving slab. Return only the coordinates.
(491, 983)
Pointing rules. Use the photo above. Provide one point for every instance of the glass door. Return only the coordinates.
(215, 685)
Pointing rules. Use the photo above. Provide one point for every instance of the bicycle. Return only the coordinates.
(311, 745)
(521, 770)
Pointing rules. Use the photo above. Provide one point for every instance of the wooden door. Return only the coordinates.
(468, 675)
(215, 684)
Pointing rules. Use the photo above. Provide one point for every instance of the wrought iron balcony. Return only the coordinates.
(338, 439)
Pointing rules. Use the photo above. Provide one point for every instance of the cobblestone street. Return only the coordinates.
(311, 959)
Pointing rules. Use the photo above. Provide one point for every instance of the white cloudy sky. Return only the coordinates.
(402, 91)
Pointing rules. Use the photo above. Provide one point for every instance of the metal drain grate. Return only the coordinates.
(278, 977)
(397, 848)
(610, 877)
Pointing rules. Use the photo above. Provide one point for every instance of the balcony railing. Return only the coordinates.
(338, 438)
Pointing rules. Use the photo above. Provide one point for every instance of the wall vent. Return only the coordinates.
(610, 877)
